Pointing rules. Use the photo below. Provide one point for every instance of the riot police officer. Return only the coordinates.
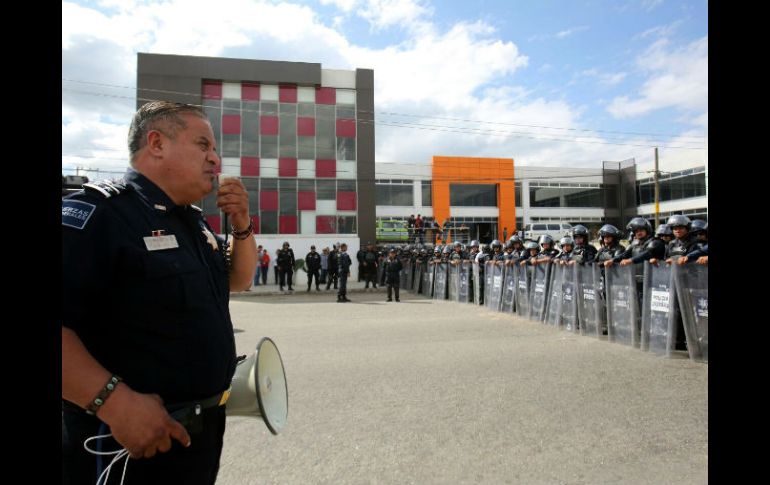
(611, 247)
(286, 262)
(313, 263)
(583, 252)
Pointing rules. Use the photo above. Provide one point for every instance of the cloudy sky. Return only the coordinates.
(547, 83)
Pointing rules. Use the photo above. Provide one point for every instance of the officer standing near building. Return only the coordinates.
(313, 263)
(393, 269)
(147, 337)
(333, 266)
(285, 260)
(343, 271)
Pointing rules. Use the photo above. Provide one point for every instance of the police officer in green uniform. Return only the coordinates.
(147, 340)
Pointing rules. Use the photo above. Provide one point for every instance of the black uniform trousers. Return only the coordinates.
(393, 286)
(310, 275)
(285, 277)
(196, 465)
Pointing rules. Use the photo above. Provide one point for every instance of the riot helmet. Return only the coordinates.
(678, 220)
(638, 223)
(496, 244)
(698, 226)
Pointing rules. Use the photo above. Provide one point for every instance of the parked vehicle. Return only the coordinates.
(556, 230)
(392, 231)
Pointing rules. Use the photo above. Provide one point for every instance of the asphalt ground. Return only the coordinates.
(424, 392)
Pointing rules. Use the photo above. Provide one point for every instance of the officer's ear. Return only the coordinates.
(155, 140)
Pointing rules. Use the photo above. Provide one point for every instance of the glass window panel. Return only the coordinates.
(250, 129)
(346, 224)
(269, 184)
(306, 110)
(346, 148)
(268, 223)
(346, 112)
(269, 146)
(288, 109)
(517, 194)
(252, 187)
(611, 196)
(346, 185)
(544, 196)
(269, 108)
(473, 195)
(306, 147)
(231, 106)
(287, 196)
(325, 132)
(326, 190)
(288, 135)
(394, 195)
(427, 199)
(587, 197)
(231, 146)
(306, 185)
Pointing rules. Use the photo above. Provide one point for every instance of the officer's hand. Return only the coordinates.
(625, 262)
(654, 261)
(570, 263)
(681, 261)
(608, 263)
(233, 200)
(702, 260)
(140, 423)
(669, 260)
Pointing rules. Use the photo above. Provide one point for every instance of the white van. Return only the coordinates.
(556, 230)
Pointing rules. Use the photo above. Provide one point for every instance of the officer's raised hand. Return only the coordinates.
(233, 200)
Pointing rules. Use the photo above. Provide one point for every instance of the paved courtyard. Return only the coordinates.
(422, 392)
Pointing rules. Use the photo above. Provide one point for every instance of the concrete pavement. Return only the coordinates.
(424, 392)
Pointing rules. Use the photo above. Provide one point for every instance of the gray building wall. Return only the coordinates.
(365, 154)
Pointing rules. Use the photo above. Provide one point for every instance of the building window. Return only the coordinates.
(675, 186)
(427, 199)
(476, 195)
(517, 193)
(394, 194)
(346, 224)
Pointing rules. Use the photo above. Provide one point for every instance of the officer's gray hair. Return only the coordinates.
(153, 116)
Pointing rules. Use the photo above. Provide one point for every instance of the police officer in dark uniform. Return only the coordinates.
(286, 262)
(313, 263)
(333, 266)
(583, 252)
(147, 340)
(644, 246)
(393, 269)
(368, 265)
(343, 271)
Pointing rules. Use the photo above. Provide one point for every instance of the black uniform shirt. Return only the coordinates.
(157, 318)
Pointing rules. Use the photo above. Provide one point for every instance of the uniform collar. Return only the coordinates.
(150, 192)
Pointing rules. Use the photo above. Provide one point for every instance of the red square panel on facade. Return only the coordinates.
(287, 167)
(268, 200)
(215, 222)
(326, 168)
(268, 125)
(250, 91)
(250, 166)
(346, 201)
(231, 124)
(306, 201)
(287, 224)
(305, 126)
(324, 225)
(346, 128)
(212, 90)
(287, 94)
(255, 223)
(325, 96)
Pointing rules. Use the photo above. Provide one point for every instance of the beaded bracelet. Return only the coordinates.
(240, 235)
(94, 406)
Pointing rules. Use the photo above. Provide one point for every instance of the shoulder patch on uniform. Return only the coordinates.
(106, 188)
(76, 213)
(196, 208)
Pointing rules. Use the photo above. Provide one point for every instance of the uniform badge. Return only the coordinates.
(75, 213)
(158, 241)
(211, 239)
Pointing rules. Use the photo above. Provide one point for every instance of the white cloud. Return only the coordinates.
(650, 5)
(678, 78)
(387, 13)
(344, 5)
(605, 78)
(573, 30)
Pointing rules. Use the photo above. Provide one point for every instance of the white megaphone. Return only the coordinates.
(259, 387)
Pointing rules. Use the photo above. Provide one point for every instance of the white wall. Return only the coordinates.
(301, 246)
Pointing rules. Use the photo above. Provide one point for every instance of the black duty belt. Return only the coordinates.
(189, 413)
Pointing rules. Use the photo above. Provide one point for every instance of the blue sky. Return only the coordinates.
(549, 83)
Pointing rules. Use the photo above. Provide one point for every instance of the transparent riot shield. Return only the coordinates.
(418, 271)
(589, 307)
(464, 293)
(476, 281)
(381, 273)
(553, 303)
(658, 315)
(692, 290)
(538, 293)
(524, 273)
(489, 274)
(408, 271)
(427, 279)
(402, 274)
(454, 282)
(509, 289)
(440, 281)
(622, 304)
(569, 318)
